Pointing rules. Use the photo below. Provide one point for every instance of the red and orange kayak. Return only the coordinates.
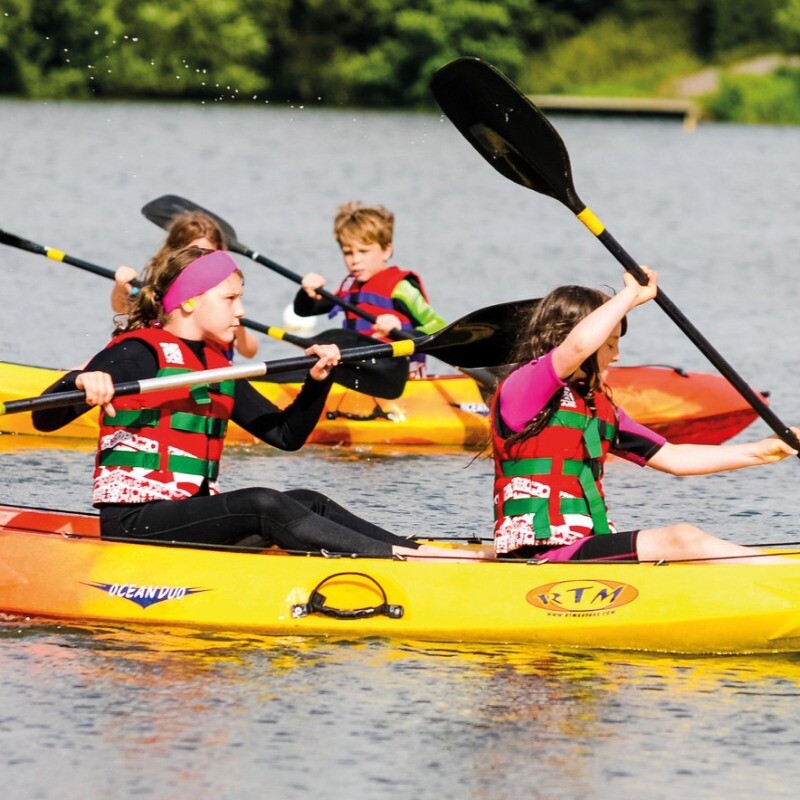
(449, 409)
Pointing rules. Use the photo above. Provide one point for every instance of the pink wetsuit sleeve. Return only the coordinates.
(527, 391)
(635, 442)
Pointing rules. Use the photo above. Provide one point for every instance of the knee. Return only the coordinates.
(257, 500)
(684, 537)
(307, 497)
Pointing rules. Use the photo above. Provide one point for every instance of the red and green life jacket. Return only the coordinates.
(164, 445)
(375, 297)
(565, 457)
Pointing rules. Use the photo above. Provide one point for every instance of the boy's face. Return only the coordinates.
(365, 260)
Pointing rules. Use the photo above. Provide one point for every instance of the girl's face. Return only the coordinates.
(217, 312)
(608, 353)
(365, 260)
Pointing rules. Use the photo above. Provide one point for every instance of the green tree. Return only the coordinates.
(118, 48)
(384, 52)
(787, 20)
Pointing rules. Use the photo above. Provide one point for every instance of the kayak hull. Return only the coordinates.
(447, 410)
(53, 564)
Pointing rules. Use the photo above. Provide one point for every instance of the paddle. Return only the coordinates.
(485, 337)
(515, 137)
(385, 379)
(164, 209)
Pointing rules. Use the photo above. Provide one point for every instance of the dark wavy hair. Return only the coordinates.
(548, 326)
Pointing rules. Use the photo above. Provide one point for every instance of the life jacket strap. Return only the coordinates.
(592, 501)
(213, 427)
(188, 465)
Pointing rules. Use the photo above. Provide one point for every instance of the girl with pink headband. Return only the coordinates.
(192, 229)
(158, 454)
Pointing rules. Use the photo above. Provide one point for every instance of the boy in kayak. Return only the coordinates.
(192, 229)
(394, 296)
(158, 453)
(554, 423)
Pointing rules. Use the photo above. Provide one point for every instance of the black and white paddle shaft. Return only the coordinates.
(485, 337)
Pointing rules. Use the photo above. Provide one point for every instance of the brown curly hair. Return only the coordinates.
(145, 309)
(548, 326)
(183, 230)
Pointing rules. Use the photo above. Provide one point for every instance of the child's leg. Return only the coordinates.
(683, 542)
(323, 506)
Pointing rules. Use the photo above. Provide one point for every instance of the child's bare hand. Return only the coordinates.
(125, 276)
(311, 283)
(329, 356)
(646, 292)
(386, 323)
(99, 389)
(774, 449)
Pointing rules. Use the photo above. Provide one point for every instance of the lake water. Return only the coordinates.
(103, 711)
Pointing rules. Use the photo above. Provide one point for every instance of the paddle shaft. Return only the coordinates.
(483, 337)
(238, 247)
(237, 372)
(518, 141)
(163, 210)
(695, 336)
(481, 375)
(59, 255)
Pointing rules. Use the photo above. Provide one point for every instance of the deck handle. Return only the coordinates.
(317, 603)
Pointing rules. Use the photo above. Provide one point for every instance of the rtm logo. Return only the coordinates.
(572, 597)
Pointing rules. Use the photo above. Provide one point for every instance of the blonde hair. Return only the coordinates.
(355, 222)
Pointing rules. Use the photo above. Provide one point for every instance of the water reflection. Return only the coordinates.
(377, 711)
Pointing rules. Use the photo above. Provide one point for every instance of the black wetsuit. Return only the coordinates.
(299, 519)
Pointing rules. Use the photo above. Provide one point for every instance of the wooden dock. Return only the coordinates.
(687, 110)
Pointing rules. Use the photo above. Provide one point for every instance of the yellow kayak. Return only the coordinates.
(449, 409)
(54, 565)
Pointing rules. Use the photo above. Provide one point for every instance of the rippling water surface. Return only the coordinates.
(118, 712)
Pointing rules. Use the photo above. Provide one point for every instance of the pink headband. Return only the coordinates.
(198, 277)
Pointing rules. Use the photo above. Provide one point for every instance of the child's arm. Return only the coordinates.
(589, 335)
(246, 344)
(705, 459)
(121, 293)
(422, 314)
(307, 303)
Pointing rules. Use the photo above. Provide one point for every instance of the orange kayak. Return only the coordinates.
(448, 410)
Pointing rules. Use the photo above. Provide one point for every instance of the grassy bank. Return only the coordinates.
(652, 58)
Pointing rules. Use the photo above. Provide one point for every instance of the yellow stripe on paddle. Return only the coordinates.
(56, 255)
(403, 347)
(591, 221)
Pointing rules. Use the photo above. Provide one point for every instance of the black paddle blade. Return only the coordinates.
(164, 209)
(506, 128)
(385, 378)
(485, 338)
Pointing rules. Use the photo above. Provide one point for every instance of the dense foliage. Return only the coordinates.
(377, 52)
